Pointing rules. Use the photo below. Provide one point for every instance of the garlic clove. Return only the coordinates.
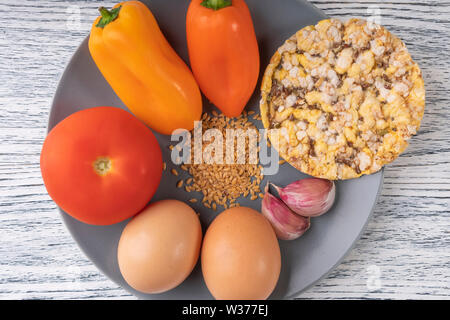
(310, 197)
(287, 224)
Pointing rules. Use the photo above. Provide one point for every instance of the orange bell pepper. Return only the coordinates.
(143, 69)
(223, 52)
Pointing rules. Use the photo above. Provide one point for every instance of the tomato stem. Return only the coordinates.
(102, 166)
(108, 16)
(216, 4)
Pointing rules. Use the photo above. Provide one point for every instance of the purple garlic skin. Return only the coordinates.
(287, 224)
(310, 197)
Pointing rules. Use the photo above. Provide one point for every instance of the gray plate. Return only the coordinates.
(305, 260)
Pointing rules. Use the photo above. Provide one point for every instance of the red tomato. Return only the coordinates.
(101, 165)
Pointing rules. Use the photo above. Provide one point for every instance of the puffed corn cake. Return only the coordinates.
(346, 98)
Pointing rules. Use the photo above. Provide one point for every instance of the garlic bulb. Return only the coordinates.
(310, 197)
(287, 224)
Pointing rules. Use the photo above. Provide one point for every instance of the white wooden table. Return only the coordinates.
(403, 254)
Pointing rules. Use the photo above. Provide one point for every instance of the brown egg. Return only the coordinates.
(240, 255)
(160, 246)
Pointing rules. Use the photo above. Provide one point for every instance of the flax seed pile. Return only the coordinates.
(223, 184)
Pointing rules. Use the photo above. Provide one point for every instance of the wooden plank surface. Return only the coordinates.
(403, 254)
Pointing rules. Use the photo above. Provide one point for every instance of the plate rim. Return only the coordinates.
(65, 219)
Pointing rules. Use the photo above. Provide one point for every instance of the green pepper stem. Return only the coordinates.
(108, 16)
(216, 4)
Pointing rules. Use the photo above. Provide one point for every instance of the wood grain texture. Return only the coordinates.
(407, 241)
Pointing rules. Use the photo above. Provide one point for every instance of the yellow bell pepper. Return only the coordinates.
(143, 69)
